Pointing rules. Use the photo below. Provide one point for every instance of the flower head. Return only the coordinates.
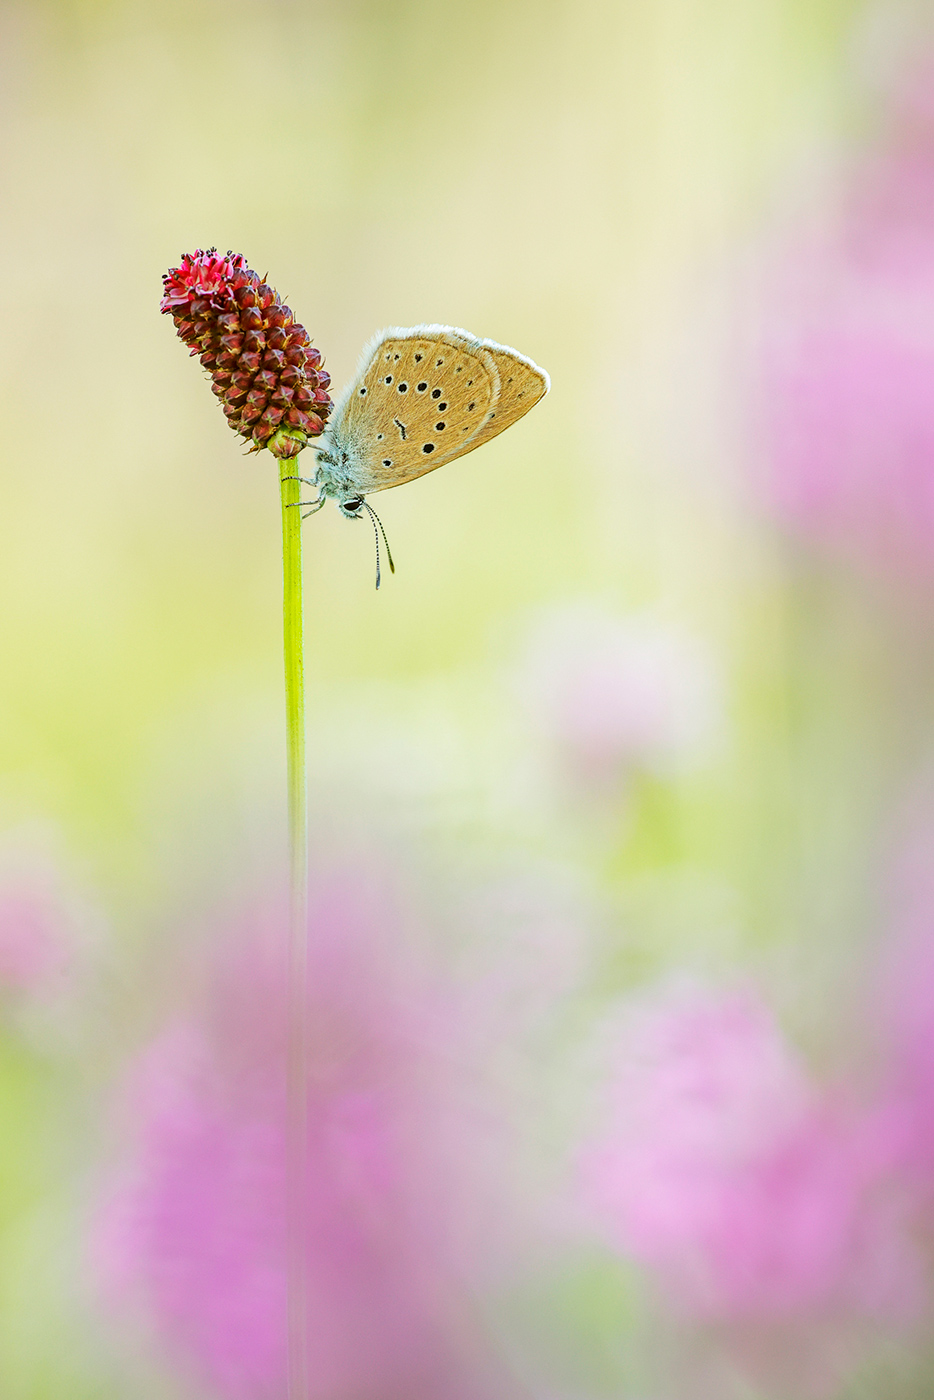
(396, 1197)
(755, 1195)
(33, 938)
(848, 362)
(47, 929)
(263, 366)
(904, 1006)
(615, 693)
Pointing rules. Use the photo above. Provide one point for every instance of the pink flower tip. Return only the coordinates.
(262, 364)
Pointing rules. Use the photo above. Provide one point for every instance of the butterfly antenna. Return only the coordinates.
(376, 521)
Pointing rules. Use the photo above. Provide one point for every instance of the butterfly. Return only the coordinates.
(421, 397)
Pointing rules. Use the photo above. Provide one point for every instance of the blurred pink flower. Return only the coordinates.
(849, 361)
(46, 927)
(400, 1221)
(34, 936)
(755, 1197)
(904, 1010)
(615, 692)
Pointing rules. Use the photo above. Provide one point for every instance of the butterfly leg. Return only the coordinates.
(315, 505)
(308, 480)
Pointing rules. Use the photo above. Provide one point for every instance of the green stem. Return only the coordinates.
(297, 1105)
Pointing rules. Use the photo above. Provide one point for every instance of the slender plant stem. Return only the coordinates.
(297, 1099)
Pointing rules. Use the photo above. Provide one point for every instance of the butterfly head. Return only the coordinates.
(351, 507)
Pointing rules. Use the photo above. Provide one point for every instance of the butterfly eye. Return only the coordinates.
(354, 504)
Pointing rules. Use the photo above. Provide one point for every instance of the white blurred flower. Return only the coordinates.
(616, 692)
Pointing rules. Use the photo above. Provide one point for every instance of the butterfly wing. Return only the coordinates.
(522, 384)
(420, 399)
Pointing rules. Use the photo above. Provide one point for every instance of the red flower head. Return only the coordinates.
(263, 366)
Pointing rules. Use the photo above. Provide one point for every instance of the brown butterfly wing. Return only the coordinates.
(422, 399)
(522, 384)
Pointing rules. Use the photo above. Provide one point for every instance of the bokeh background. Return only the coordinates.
(622, 796)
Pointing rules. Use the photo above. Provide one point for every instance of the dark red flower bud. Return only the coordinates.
(271, 418)
(263, 366)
